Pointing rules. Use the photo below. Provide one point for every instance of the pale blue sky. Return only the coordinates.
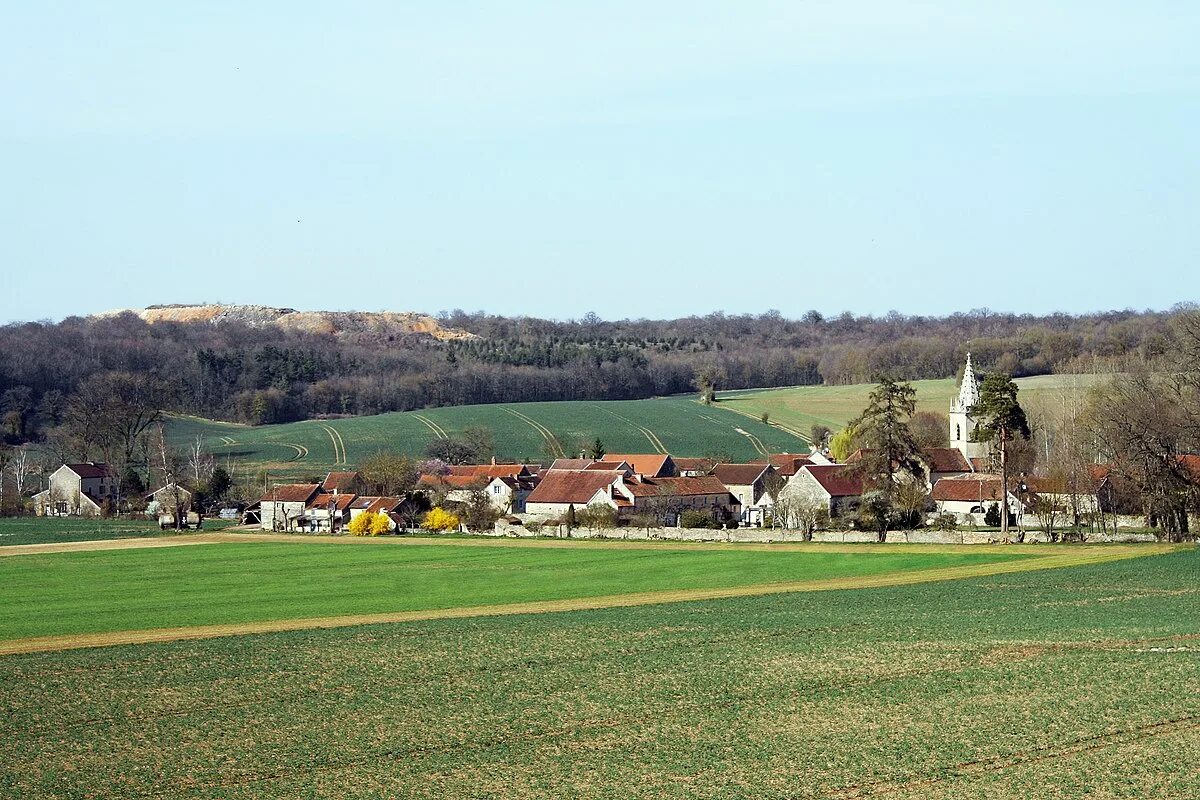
(632, 158)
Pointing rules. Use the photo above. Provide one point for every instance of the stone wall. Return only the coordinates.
(782, 535)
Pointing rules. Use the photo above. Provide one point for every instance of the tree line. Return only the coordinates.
(267, 374)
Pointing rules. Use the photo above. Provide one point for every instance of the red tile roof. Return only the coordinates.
(652, 465)
(455, 481)
(937, 459)
(571, 486)
(739, 474)
(837, 479)
(677, 487)
(342, 481)
(384, 504)
(967, 488)
(340, 501)
(946, 459)
(490, 470)
(291, 493)
(788, 464)
(571, 463)
(609, 466)
(693, 464)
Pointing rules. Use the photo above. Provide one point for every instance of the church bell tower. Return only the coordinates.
(961, 422)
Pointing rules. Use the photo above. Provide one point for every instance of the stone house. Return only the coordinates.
(968, 497)
(282, 508)
(506, 485)
(628, 495)
(78, 490)
(837, 487)
(326, 511)
(748, 483)
(167, 498)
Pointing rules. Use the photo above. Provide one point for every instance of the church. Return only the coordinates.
(962, 424)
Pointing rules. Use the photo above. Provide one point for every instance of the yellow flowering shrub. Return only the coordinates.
(439, 519)
(380, 524)
(361, 525)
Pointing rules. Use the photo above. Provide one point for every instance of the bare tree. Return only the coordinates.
(21, 465)
(200, 462)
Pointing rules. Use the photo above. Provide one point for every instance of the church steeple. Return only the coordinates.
(961, 423)
(968, 392)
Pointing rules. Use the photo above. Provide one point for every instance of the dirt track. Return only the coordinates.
(1056, 558)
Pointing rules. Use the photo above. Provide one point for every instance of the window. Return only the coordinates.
(958, 432)
(495, 490)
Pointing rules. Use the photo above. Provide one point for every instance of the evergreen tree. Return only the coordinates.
(889, 446)
(999, 419)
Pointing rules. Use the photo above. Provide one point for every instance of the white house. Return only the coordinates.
(968, 497)
(282, 508)
(506, 485)
(78, 490)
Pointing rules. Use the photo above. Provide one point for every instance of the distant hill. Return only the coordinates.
(357, 324)
(523, 431)
(731, 428)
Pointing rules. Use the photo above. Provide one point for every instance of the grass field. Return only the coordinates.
(799, 408)
(1066, 683)
(39, 530)
(525, 431)
(535, 431)
(86, 592)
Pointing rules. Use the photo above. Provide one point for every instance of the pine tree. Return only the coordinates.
(999, 419)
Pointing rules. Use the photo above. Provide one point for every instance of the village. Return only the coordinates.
(954, 494)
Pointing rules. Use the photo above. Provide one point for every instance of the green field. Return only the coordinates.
(1066, 683)
(90, 592)
(798, 408)
(524, 431)
(42, 530)
(534, 431)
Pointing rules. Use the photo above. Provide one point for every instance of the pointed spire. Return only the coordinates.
(968, 393)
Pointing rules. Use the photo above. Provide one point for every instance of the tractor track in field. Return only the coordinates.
(438, 433)
(301, 450)
(551, 440)
(339, 446)
(1034, 755)
(755, 442)
(904, 578)
(650, 435)
(785, 428)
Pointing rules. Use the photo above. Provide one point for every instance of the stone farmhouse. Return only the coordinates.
(748, 483)
(168, 498)
(507, 486)
(78, 490)
(284, 506)
(837, 487)
(968, 497)
(616, 485)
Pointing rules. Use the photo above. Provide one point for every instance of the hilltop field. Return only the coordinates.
(547, 669)
(800, 407)
(537, 432)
